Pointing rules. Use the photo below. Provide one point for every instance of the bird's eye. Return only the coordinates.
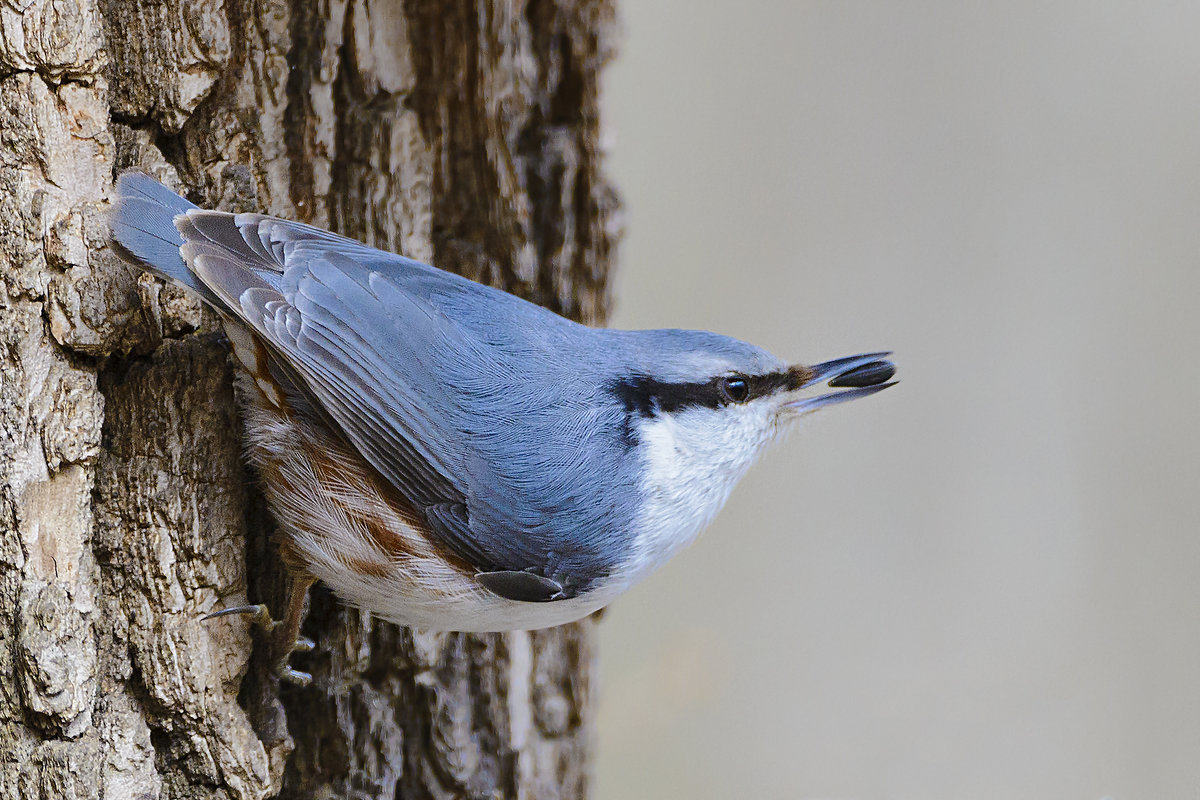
(735, 388)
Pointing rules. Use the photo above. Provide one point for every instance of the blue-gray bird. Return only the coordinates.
(449, 456)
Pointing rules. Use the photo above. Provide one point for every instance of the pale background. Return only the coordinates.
(984, 583)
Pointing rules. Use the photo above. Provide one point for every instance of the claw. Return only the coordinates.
(259, 614)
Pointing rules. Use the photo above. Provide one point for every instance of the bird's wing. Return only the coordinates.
(395, 353)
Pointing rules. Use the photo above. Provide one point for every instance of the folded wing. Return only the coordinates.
(425, 375)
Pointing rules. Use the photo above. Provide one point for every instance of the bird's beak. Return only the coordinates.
(853, 377)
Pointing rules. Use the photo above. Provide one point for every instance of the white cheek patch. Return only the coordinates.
(692, 460)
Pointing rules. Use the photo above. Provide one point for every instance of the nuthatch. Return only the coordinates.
(449, 456)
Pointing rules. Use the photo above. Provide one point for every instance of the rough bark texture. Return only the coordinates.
(465, 133)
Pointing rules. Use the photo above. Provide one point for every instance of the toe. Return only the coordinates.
(293, 676)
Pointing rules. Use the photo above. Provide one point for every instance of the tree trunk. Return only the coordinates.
(464, 133)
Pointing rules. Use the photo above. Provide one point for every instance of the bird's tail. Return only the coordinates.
(143, 231)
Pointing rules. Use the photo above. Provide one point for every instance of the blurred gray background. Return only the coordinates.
(982, 583)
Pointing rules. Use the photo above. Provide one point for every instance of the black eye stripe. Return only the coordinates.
(646, 396)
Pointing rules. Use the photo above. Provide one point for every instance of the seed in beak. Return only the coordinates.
(867, 375)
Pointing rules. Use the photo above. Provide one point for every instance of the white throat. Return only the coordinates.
(692, 459)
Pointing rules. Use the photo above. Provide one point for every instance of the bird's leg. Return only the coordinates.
(283, 635)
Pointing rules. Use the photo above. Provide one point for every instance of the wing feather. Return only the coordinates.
(409, 363)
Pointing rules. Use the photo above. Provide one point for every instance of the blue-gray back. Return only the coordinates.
(490, 414)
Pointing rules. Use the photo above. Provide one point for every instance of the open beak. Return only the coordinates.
(853, 377)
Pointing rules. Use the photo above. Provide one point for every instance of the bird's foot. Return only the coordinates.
(283, 635)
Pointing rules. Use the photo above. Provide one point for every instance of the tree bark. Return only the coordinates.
(463, 133)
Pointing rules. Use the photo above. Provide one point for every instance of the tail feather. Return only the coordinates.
(143, 227)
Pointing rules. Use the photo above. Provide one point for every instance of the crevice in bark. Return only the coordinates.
(302, 24)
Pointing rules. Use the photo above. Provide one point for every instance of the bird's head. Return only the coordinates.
(707, 404)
